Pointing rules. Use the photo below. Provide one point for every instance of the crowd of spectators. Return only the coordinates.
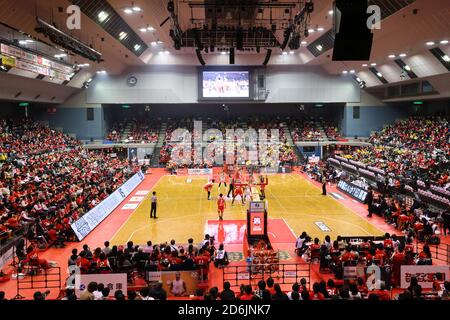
(313, 130)
(416, 148)
(286, 152)
(47, 181)
(139, 131)
(389, 253)
(132, 258)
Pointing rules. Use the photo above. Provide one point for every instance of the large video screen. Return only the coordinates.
(226, 84)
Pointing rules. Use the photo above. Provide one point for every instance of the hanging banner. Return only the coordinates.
(54, 69)
(8, 61)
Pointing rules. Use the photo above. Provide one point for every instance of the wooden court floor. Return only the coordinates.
(183, 211)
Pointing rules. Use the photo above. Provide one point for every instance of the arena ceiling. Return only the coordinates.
(406, 28)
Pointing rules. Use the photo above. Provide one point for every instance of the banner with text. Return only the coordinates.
(200, 172)
(425, 275)
(83, 226)
(113, 281)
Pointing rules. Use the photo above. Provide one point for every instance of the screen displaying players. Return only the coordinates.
(226, 84)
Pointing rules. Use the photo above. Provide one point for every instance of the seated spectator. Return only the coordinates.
(227, 294)
(279, 294)
(88, 294)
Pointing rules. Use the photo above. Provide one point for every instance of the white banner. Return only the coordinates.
(113, 281)
(200, 172)
(83, 226)
(425, 275)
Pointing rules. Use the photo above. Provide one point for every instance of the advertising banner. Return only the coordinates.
(83, 226)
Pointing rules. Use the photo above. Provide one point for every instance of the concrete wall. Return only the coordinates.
(176, 84)
(72, 118)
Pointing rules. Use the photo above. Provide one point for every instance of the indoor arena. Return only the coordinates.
(225, 150)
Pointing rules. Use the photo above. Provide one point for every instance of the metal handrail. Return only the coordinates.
(35, 281)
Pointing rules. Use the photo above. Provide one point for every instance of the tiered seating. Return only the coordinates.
(416, 149)
(310, 130)
(140, 132)
(331, 131)
(48, 178)
(286, 153)
(306, 131)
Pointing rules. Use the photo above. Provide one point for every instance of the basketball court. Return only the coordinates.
(184, 212)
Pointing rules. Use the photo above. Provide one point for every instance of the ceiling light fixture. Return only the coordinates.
(102, 16)
(122, 35)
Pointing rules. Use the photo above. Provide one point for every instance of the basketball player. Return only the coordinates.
(221, 205)
(238, 192)
(262, 186)
(222, 180)
(208, 188)
(248, 194)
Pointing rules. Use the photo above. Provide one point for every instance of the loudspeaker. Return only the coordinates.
(199, 56)
(268, 54)
(353, 39)
(231, 55)
(239, 39)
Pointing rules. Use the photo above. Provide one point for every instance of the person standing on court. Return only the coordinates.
(153, 206)
(324, 185)
(231, 189)
(369, 201)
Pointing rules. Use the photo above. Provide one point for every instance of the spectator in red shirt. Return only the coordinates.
(248, 293)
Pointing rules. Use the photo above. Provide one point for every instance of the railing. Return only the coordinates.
(439, 252)
(283, 273)
(39, 279)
